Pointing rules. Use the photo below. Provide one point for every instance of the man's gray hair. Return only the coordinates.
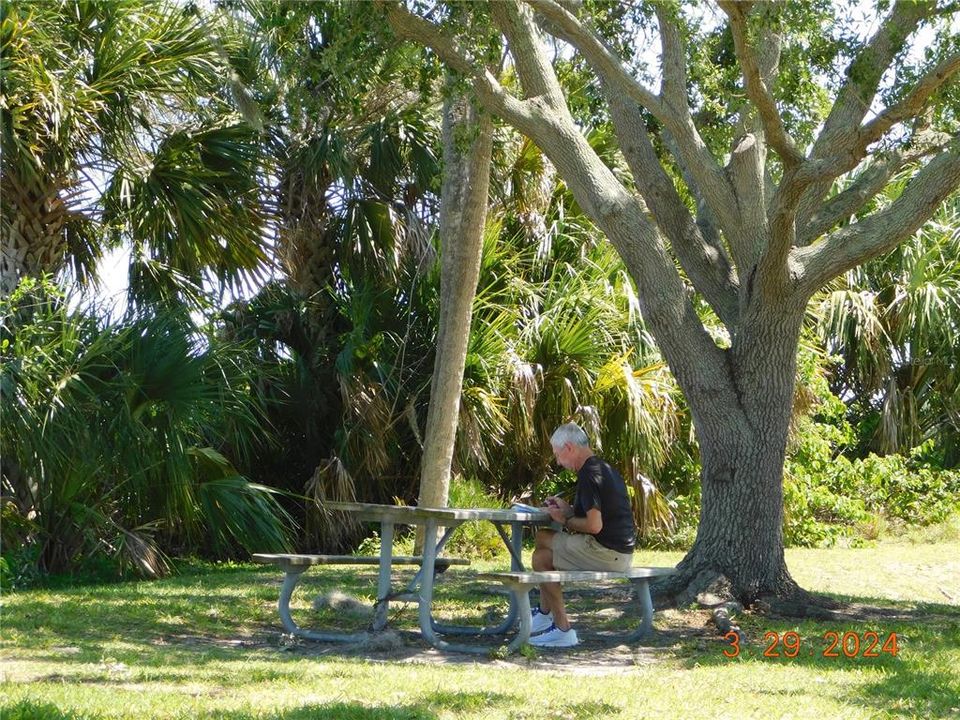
(569, 433)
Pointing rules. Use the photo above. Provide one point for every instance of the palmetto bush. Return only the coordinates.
(112, 437)
(893, 323)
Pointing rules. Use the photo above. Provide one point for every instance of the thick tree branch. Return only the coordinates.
(706, 222)
(865, 72)
(844, 204)
(748, 166)
(533, 67)
(912, 104)
(745, 170)
(853, 149)
(691, 352)
(881, 232)
(694, 152)
(870, 182)
(816, 175)
(601, 58)
(673, 89)
(757, 90)
(856, 96)
(772, 269)
(705, 263)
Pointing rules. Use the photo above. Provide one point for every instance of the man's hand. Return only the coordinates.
(556, 514)
(558, 508)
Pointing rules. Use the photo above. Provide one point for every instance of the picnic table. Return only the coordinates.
(431, 520)
(518, 582)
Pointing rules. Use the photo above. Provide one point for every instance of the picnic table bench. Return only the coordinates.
(520, 583)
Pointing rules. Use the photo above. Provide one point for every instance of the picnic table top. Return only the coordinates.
(410, 514)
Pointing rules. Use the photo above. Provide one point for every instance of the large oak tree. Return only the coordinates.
(753, 229)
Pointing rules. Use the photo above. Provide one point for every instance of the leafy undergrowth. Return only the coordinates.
(206, 643)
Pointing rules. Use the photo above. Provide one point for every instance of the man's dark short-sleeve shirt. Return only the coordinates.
(600, 486)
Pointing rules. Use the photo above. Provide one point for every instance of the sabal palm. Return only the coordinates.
(115, 129)
(351, 144)
(894, 324)
(352, 149)
(118, 431)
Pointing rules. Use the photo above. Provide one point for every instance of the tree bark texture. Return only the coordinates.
(467, 146)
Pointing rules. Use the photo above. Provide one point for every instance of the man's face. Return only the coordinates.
(563, 455)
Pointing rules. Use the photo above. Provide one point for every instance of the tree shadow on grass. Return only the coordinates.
(427, 707)
(38, 710)
(165, 631)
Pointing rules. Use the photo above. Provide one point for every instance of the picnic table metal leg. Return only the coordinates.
(290, 581)
(514, 545)
(426, 582)
(520, 596)
(427, 625)
(516, 564)
(383, 582)
(415, 581)
(646, 607)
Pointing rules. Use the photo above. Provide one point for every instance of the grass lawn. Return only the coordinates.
(207, 643)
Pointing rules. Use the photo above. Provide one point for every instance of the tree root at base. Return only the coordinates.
(709, 588)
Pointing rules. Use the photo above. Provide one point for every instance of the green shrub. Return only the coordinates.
(686, 515)
(908, 488)
(115, 426)
(828, 496)
(478, 540)
(474, 539)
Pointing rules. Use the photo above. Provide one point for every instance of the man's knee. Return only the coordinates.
(542, 559)
(544, 539)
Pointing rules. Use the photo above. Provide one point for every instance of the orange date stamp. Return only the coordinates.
(835, 645)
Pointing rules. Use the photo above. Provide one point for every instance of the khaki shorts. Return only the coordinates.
(583, 552)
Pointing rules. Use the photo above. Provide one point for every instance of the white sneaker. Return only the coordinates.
(541, 621)
(555, 637)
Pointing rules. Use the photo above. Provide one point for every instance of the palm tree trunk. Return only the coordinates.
(462, 218)
(31, 239)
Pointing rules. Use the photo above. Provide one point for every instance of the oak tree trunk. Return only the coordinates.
(740, 535)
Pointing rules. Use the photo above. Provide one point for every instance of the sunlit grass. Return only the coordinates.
(206, 643)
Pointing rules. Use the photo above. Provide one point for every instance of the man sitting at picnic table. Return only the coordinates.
(598, 532)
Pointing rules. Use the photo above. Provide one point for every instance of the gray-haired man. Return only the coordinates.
(599, 533)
